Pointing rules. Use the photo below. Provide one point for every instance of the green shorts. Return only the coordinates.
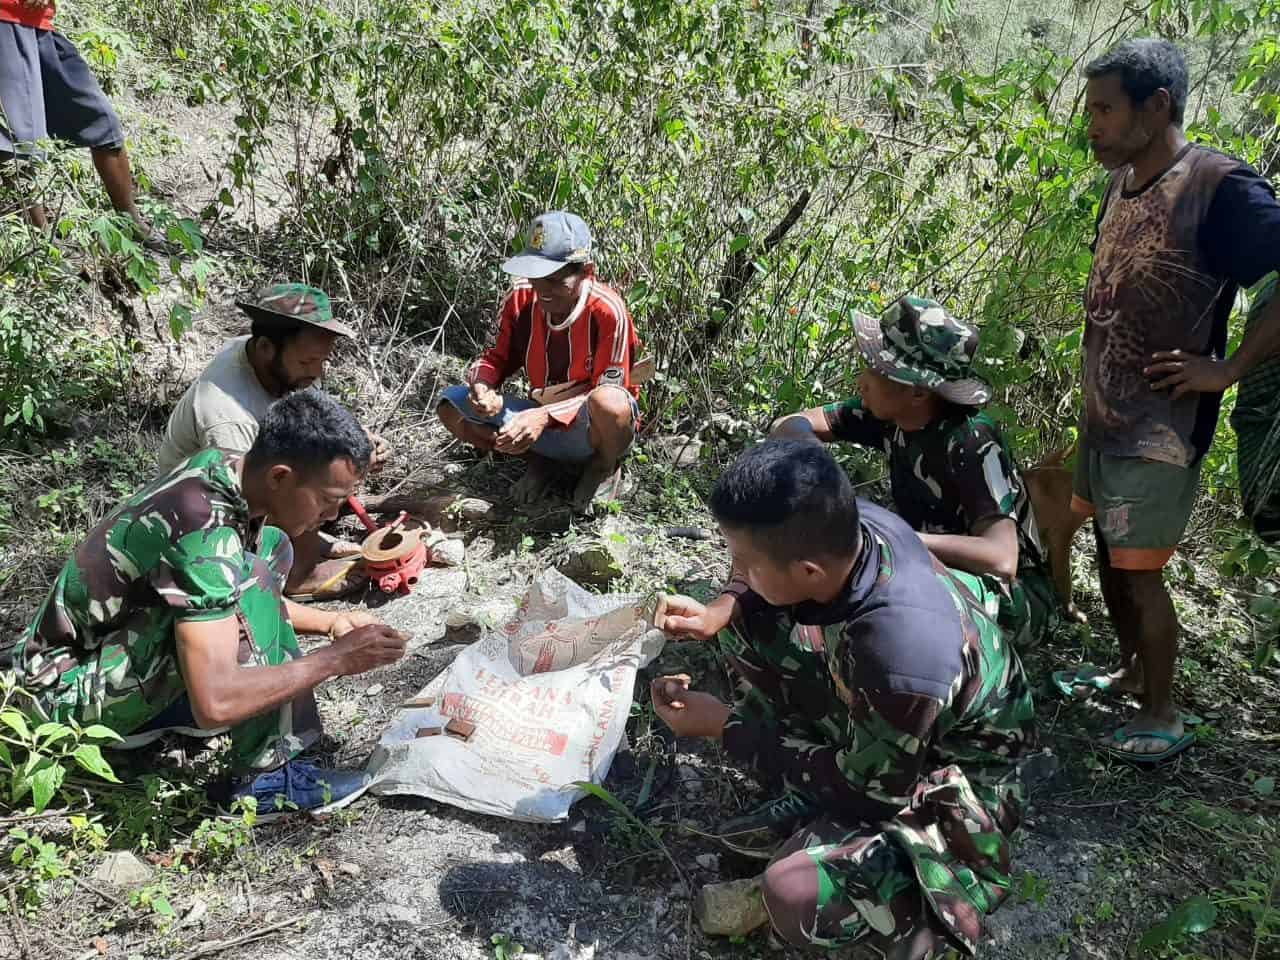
(1140, 507)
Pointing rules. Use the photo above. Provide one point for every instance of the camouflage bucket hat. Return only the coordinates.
(294, 301)
(917, 342)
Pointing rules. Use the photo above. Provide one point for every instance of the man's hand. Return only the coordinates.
(366, 648)
(521, 432)
(689, 713)
(344, 623)
(686, 617)
(381, 452)
(1186, 372)
(485, 400)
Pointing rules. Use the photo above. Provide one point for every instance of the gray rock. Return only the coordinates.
(448, 553)
(596, 561)
(122, 869)
(708, 861)
(677, 449)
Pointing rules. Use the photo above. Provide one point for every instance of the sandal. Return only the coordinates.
(1174, 746)
(1093, 679)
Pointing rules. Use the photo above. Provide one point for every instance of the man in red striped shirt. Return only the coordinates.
(574, 339)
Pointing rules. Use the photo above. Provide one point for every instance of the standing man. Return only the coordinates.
(291, 339)
(47, 91)
(573, 337)
(1180, 228)
(170, 616)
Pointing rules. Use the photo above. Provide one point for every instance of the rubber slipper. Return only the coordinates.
(1094, 679)
(1176, 745)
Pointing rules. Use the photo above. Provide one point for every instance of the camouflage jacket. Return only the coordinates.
(949, 477)
(919, 677)
(173, 551)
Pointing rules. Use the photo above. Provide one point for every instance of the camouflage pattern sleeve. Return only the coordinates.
(889, 739)
(980, 478)
(851, 422)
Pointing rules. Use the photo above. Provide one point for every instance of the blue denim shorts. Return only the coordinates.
(570, 444)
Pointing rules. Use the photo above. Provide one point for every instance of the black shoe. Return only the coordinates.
(760, 833)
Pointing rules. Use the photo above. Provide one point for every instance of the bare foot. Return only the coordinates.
(1135, 736)
(538, 477)
(1120, 680)
(600, 482)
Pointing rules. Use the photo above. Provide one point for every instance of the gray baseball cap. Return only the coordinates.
(555, 239)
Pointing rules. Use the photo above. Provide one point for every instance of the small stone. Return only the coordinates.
(690, 781)
(730, 909)
(1082, 875)
(350, 869)
(448, 553)
(473, 508)
(198, 909)
(708, 861)
(677, 449)
(122, 869)
(373, 691)
(594, 562)
(454, 469)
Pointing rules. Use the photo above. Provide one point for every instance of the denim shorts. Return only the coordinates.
(48, 92)
(570, 444)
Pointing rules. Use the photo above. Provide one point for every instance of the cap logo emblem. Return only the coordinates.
(535, 239)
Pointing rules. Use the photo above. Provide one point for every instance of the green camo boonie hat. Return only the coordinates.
(917, 342)
(294, 301)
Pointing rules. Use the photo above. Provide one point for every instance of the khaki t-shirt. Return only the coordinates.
(220, 409)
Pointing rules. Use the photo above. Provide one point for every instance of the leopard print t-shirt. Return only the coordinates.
(1151, 288)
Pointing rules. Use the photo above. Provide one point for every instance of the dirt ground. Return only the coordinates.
(1106, 851)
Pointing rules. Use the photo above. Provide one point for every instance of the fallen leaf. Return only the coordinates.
(1264, 786)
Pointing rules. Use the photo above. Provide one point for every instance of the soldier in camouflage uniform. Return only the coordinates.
(952, 475)
(877, 687)
(170, 615)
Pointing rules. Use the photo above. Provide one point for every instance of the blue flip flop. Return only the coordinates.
(1095, 679)
(1175, 746)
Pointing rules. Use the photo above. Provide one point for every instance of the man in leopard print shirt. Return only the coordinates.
(1180, 229)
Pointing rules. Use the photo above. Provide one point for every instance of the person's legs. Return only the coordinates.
(611, 413)
(458, 417)
(1154, 638)
(832, 886)
(22, 106)
(323, 568)
(1143, 509)
(112, 164)
(79, 112)
(1125, 619)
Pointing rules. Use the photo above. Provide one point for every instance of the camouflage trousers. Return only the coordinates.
(134, 675)
(915, 888)
(1028, 611)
